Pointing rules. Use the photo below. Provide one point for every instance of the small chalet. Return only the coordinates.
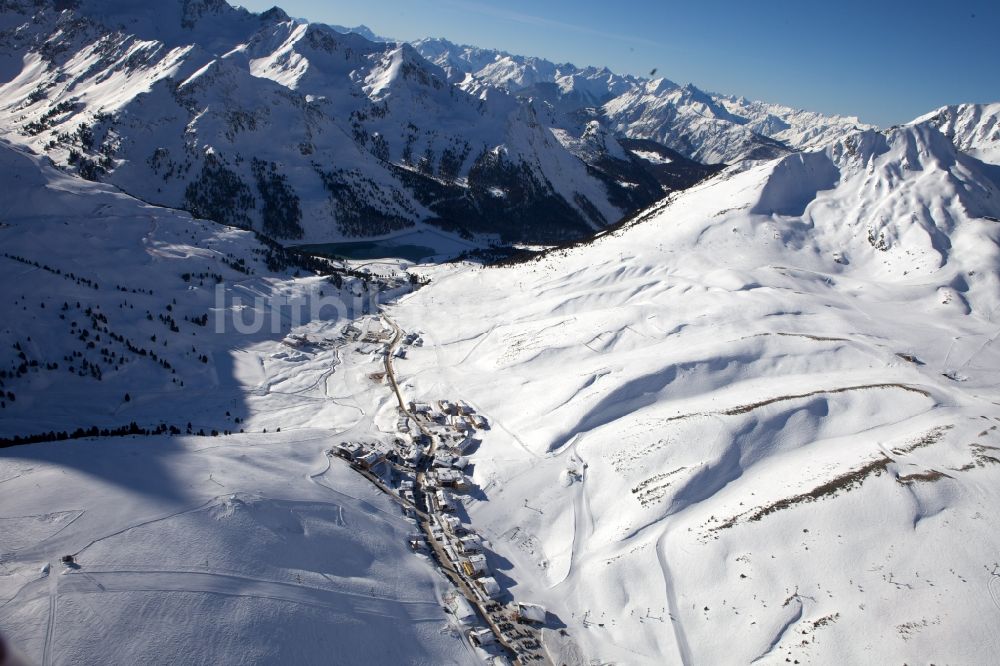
(489, 586)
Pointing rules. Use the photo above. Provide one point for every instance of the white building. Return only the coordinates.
(295, 341)
(445, 501)
(470, 544)
(413, 455)
(489, 586)
(451, 478)
(349, 450)
(370, 459)
(463, 445)
(459, 423)
(451, 524)
(482, 636)
(443, 459)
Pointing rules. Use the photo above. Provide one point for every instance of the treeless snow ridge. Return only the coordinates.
(758, 425)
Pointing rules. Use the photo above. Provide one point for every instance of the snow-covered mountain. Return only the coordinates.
(702, 126)
(305, 133)
(755, 423)
(766, 410)
(364, 31)
(312, 134)
(974, 128)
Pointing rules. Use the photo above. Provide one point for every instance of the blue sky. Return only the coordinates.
(886, 61)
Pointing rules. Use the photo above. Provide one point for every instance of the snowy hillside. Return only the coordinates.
(702, 126)
(112, 297)
(120, 334)
(245, 550)
(767, 410)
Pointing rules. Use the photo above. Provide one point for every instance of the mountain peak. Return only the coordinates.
(659, 86)
(362, 30)
(401, 64)
(274, 14)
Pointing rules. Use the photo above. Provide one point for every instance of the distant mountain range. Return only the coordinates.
(703, 126)
(311, 134)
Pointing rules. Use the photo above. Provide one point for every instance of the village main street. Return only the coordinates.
(502, 630)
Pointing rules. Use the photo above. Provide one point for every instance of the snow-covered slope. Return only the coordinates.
(766, 411)
(705, 127)
(194, 544)
(793, 127)
(689, 121)
(247, 550)
(110, 296)
(974, 128)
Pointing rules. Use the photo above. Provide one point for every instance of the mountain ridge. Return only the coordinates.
(164, 101)
(357, 139)
(681, 117)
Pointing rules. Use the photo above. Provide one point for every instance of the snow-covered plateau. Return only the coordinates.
(758, 421)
